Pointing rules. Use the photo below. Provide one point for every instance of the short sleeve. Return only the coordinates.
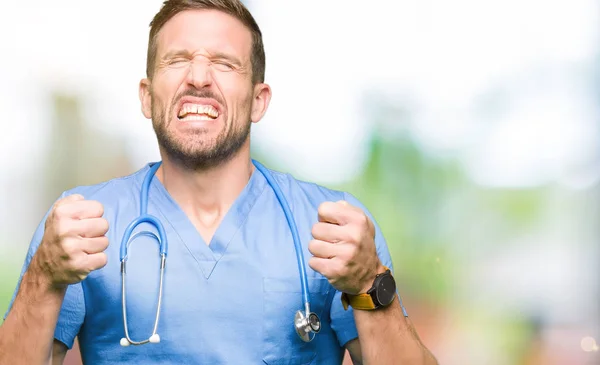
(342, 321)
(73, 309)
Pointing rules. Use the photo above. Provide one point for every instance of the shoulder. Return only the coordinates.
(113, 190)
(298, 188)
(311, 193)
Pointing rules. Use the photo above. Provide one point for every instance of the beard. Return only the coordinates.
(196, 150)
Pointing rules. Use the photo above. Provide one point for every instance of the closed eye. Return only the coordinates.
(179, 61)
(223, 65)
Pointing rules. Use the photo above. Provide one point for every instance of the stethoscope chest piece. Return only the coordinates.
(307, 326)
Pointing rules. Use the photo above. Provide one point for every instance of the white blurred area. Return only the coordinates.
(511, 88)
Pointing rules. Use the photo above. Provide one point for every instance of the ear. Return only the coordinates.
(260, 103)
(146, 98)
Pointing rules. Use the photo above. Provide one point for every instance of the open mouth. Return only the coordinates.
(192, 112)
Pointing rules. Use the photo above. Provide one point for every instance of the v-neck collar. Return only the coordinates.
(207, 256)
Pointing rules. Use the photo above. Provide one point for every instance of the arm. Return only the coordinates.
(345, 251)
(387, 337)
(71, 247)
(27, 334)
(59, 352)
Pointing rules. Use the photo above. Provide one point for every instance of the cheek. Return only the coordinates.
(166, 84)
(243, 102)
(235, 88)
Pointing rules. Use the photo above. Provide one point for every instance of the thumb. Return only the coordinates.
(74, 197)
(69, 199)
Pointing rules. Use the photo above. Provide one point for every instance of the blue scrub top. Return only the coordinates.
(230, 302)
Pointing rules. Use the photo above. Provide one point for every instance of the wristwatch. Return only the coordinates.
(381, 294)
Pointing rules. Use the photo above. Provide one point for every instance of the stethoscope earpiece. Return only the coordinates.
(155, 338)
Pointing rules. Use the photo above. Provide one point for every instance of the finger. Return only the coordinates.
(94, 245)
(322, 249)
(330, 268)
(82, 209)
(355, 215)
(335, 213)
(91, 227)
(96, 261)
(328, 232)
(320, 265)
(347, 205)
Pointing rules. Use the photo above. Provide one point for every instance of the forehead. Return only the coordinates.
(208, 30)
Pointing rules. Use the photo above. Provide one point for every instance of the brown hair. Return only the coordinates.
(235, 8)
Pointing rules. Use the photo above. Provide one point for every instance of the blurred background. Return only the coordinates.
(469, 128)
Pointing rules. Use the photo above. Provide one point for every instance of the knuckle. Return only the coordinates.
(321, 208)
(71, 267)
(102, 260)
(69, 247)
(104, 242)
(363, 219)
(343, 252)
(63, 226)
(311, 246)
(324, 208)
(60, 211)
(354, 234)
(342, 203)
(325, 205)
(96, 205)
(352, 251)
(358, 235)
(312, 262)
(315, 228)
(103, 224)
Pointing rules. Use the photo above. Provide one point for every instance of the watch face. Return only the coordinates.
(386, 290)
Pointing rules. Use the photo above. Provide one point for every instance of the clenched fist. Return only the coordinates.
(344, 247)
(73, 243)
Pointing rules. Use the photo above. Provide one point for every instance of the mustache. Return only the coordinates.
(204, 93)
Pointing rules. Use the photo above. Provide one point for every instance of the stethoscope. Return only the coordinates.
(306, 323)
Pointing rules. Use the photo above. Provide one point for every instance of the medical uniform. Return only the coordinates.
(230, 302)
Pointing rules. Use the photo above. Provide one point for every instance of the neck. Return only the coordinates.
(206, 196)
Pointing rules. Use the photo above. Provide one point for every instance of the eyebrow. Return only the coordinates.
(176, 53)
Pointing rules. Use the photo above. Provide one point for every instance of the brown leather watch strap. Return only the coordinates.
(360, 301)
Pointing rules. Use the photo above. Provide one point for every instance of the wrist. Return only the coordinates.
(40, 279)
(380, 269)
(380, 292)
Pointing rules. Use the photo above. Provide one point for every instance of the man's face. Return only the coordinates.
(201, 97)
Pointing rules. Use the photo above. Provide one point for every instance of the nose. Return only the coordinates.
(199, 74)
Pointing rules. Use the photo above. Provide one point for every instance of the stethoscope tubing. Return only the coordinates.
(293, 228)
(301, 321)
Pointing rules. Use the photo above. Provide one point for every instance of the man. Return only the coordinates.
(231, 282)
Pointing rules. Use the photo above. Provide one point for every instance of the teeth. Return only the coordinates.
(193, 117)
(198, 109)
